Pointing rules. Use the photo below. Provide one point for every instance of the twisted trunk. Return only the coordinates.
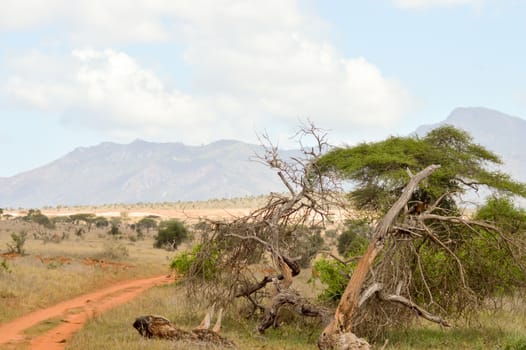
(335, 334)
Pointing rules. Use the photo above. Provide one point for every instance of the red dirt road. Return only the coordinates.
(73, 314)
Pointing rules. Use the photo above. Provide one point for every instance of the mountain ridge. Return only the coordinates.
(499, 132)
(144, 171)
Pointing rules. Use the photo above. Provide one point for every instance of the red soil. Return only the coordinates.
(73, 313)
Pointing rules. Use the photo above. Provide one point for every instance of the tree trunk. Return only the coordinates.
(338, 334)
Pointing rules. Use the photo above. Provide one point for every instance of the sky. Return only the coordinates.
(78, 73)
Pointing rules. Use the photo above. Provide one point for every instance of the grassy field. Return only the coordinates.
(52, 271)
(113, 330)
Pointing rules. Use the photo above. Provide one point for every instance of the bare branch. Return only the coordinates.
(419, 311)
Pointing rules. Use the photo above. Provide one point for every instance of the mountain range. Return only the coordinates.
(168, 172)
(142, 172)
(503, 134)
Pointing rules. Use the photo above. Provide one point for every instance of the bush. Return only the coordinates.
(185, 261)
(100, 221)
(353, 239)
(4, 267)
(171, 233)
(18, 243)
(34, 215)
(516, 344)
(114, 230)
(146, 223)
(334, 275)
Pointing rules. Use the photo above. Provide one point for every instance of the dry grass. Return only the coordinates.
(32, 281)
(31, 284)
(113, 330)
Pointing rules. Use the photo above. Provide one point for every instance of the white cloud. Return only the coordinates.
(108, 90)
(256, 65)
(418, 4)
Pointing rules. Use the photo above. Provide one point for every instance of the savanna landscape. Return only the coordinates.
(396, 262)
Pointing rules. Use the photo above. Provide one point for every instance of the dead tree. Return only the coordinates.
(271, 233)
(154, 326)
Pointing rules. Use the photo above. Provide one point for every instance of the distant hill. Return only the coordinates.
(169, 172)
(142, 172)
(498, 132)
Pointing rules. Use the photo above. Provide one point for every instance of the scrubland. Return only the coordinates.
(70, 264)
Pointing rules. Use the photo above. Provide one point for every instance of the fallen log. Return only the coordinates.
(155, 326)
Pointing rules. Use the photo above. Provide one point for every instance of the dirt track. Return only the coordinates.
(73, 314)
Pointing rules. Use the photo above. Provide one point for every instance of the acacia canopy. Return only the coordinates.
(379, 170)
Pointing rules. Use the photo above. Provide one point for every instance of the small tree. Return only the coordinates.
(36, 216)
(353, 239)
(19, 240)
(146, 223)
(114, 230)
(171, 233)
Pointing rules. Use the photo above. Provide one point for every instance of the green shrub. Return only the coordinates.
(191, 261)
(100, 221)
(171, 233)
(352, 240)
(34, 215)
(334, 275)
(4, 267)
(114, 230)
(17, 246)
(516, 344)
(146, 223)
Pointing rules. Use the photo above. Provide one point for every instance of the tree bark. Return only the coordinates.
(334, 334)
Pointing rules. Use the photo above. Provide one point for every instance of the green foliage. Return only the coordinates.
(492, 263)
(515, 344)
(502, 212)
(186, 261)
(87, 218)
(4, 267)
(491, 259)
(100, 222)
(114, 230)
(379, 170)
(441, 262)
(146, 223)
(334, 275)
(473, 337)
(171, 233)
(34, 215)
(352, 240)
(17, 246)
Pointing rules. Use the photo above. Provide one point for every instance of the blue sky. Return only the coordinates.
(77, 73)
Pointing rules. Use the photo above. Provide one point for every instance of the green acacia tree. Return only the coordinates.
(379, 170)
(424, 253)
(171, 233)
